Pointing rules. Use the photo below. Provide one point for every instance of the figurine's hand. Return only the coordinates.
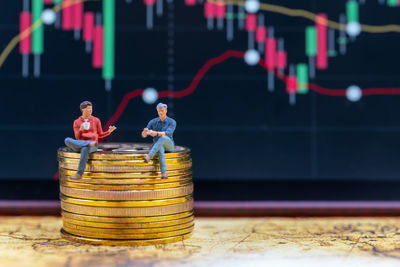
(153, 133)
(81, 129)
(144, 132)
(112, 129)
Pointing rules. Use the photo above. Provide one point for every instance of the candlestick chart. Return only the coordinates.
(304, 89)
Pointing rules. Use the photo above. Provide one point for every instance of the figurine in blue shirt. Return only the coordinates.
(161, 129)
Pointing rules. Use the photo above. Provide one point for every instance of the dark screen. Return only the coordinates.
(237, 128)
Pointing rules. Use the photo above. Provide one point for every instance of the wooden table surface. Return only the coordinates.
(35, 241)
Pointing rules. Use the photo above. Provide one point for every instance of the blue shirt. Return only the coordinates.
(168, 126)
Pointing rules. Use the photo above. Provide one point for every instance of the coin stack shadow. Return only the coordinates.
(121, 200)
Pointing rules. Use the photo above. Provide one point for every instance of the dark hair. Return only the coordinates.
(84, 104)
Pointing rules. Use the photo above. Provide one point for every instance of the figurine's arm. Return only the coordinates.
(100, 130)
(147, 129)
(77, 130)
(144, 132)
(170, 129)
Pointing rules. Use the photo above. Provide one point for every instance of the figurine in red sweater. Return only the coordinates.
(87, 129)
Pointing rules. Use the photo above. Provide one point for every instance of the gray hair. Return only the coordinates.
(161, 105)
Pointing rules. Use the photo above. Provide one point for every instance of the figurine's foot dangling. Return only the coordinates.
(93, 144)
(147, 158)
(164, 175)
(76, 176)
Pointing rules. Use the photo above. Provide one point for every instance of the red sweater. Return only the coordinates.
(95, 131)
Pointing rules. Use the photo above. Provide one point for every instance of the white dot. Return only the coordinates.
(150, 95)
(48, 16)
(353, 93)
(252, 6)
(353, 28)
(251, 57)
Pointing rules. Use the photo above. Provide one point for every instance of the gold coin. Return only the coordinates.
(129, 175)
(104, 186)
(126, 195)
(128, 220)
(128, 181)
(124, 231)
(125, 204)
(137, 162)
(127, 225)
(150, 168)
(108, 242)
(128, 212)
(123, 151)
(101, 234)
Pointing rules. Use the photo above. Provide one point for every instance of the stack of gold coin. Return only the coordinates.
(122, 200)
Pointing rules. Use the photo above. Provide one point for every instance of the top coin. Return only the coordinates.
(123, 151)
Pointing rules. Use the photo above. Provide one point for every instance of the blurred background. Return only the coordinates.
(275, 101)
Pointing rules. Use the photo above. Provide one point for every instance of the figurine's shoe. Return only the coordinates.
(164, 175)
(76, 176)
(147, 158)
(93, 144)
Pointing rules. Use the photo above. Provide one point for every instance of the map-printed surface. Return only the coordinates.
(35, 241)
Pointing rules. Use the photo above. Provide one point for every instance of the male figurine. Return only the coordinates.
(87, 129)
(161, 129)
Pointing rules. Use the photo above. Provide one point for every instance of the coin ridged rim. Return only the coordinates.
(121, 232)
(128, 236)
(122, 187)
(119, 154)
(150, 168)
(127, 231)
(127, 212)
(126, 225)
(123, 203)
(127, 181)
(126, 195)
(126, 175)
(127, 220)
(111, 242)
(136, 162)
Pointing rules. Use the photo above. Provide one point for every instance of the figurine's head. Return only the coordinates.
(162, 110)
(86, 108)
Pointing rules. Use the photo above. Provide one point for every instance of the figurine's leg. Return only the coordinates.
(76, 145)
(85, 151)
(169, 145)
(83, 160)
(166, 145)
(163, 141)
(156, 147)
(84, 147)
(161, 158)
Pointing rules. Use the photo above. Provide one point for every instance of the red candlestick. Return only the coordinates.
(88, 26)
(98, 47)
(281, 59)
(322, 41)
(291, 84)
(270, 54)
(25, 23)
(251, 22)
(261, 34)
(77, 16)
(66, 16)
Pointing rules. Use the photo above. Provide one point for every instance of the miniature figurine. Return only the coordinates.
(161, 129)
(88, 130)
